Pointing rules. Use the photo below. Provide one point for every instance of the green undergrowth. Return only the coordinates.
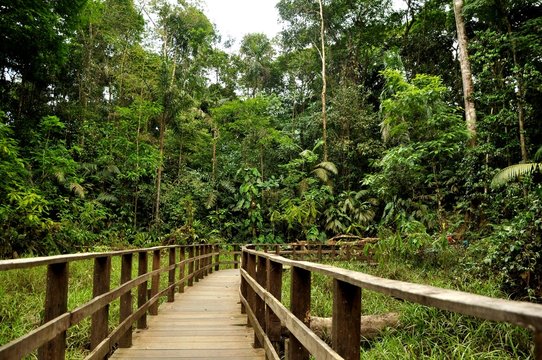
(425, 332)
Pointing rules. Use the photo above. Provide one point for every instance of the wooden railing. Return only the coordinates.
(185, 265)
(260, 294)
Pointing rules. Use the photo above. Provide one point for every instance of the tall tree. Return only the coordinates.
(466, 74)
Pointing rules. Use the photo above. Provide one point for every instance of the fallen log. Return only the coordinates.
(371, 325)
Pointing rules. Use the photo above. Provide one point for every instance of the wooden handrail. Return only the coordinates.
(50, 337)
(347, 295)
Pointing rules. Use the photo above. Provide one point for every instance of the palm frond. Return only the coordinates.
(106, 198)
(77, 189)
(538, 154)
(513, 172)
(328, 166)
(321, 174)
(60, 176)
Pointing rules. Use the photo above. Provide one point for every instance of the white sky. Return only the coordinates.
(235, 18)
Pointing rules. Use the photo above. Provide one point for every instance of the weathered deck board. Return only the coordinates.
(203, 323)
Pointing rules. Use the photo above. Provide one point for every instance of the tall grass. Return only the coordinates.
(425, 332)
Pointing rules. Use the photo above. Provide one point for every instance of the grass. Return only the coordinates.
(425, 332)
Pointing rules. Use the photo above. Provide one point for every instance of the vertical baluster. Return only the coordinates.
(182, 266)
(261, 278)
(217, 257)
(197, 264)
(300, 298)
(251, 295)
(346, 323)
(155, 283)
(171, 274)
(101, 284)
(191, 265)
(236, 248)
(142, 269)
(274, 287)
(244, 285)
(126, 300)
(538, 345)
(56, 304)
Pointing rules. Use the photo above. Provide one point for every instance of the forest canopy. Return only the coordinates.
(125, 124)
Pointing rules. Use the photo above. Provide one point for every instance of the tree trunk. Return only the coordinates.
(160, 169)
(324, 80)
(466, 74)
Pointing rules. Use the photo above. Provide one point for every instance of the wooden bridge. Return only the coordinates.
(209, 319)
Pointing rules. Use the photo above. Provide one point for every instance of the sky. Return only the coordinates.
(235, 18)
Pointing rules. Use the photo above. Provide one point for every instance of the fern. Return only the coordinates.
(513, 172)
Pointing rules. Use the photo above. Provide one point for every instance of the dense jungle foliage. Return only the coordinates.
(125, 124)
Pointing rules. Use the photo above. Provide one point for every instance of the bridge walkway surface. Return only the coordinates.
(203, 323)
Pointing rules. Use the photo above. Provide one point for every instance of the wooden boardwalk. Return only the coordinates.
(203, 323)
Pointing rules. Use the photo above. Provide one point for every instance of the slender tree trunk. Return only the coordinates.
(214, 162)
(466, 74)
(324, 80)
(160, 168)
(520, 96)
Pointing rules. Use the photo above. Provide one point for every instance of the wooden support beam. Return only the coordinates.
(182, 256)
(259, 305)
(101, 284)
(171, 275)
(142, 269)
(191, 254)
(56, 304)
(251, 295)
(125, 340)
(346, 323)
(274, 286)
(244, 292)
(300, 306)
(537, 345)
(217, 257)
(155, 282)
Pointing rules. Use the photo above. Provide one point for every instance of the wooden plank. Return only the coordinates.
(204, 322)
(345, 331)
(56, 304)
(101, 284)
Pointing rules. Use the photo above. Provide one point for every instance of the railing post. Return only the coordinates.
(244, 285)
(236, 256)
(126, 300)
(251, 294)
(207, 261)
(171, 274)
(155, 283)
(56, 304)
(274, 287)
(346, 323)
(277, 249)
(293, 251)
(210, 261)
(300, 305)
(182, 256)
(217, 257)
(259, 311)
(320, 252)
(191, 265)
(197, 265)
(100, 284)
(538, 345)
(142, 269)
